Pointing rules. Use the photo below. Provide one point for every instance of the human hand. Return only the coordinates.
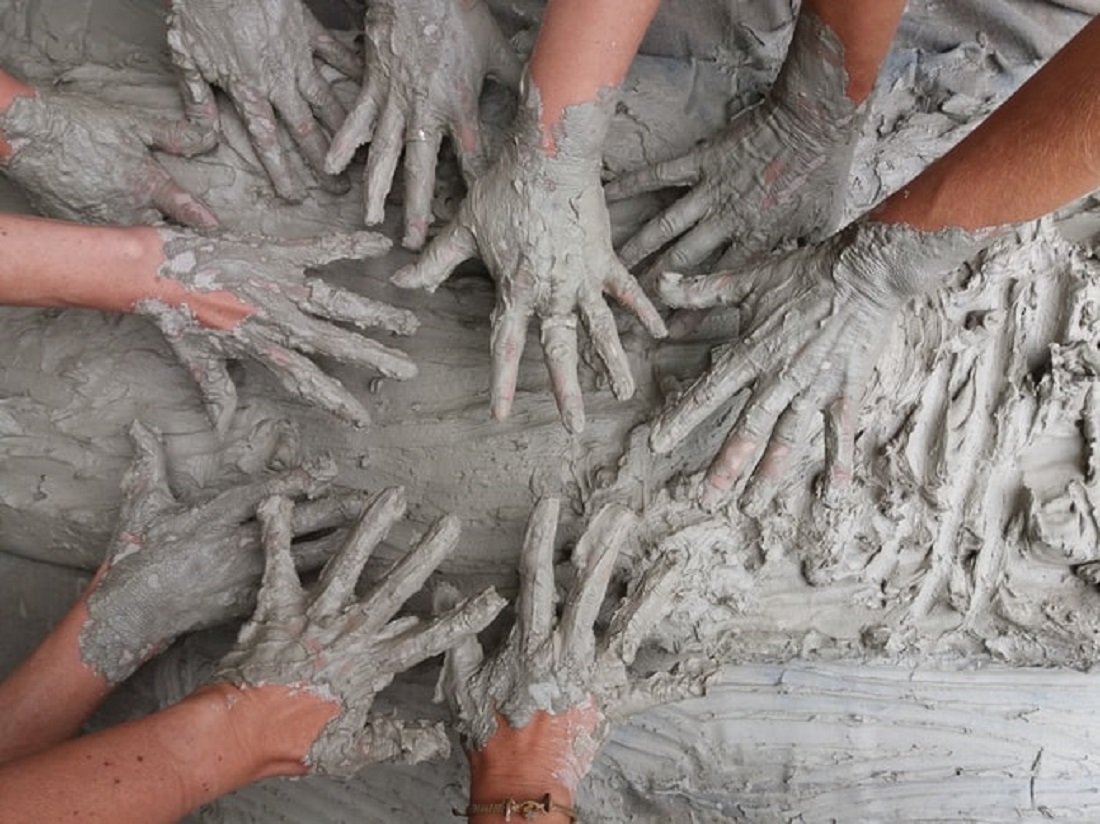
(173, 567)
(260, 52)
(812, 325)
(229, 297)
(346, 649)
(776, 173)
(426, 61)
(554, 672)
(540, 224)
(83, 160)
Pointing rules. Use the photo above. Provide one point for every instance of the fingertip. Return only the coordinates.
(407, 277)
(416, 233)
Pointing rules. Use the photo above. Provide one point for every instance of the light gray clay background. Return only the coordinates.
(921, 651)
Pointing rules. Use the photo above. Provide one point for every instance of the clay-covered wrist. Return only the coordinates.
(575, 141)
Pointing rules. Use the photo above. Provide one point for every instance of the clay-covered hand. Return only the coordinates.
(426, 61)
(812, 324)
(81, 159)
(276, 314)
(539, 222)
(174, 567)
(553, 667)
(260, 52)
(776, 173)
(345, 648)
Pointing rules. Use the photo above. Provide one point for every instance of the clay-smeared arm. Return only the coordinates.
(538, 219)
(215, 298)
(534, 714)
(81, 159)
(778, 171)
(426, 61)
(261, 53)
(292, 697)
(813, 321)
(171, 568)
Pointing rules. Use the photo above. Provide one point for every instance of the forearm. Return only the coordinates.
(52, 263)
(583, 47)
(1037, 152)
(162, 766)
(48, 697)
(10, 88)
(866, 29)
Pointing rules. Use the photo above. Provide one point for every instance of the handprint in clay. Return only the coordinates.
(553, 671)
(80, 159)
(540, 224)
(426, 61)
(813, 322)
(347, 649)
(231, 297)
(776, 173)
(174, 567)
(261, 53)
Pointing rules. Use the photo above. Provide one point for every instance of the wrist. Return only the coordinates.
(270, 728)
(525, 784)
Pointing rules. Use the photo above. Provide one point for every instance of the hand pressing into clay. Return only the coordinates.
(347, 649)
(174, 567)
(426, 61)
(81, 159)
(229, 297)
(776, 173)
(540, 224)
(260, 52)
(812, 325)
(534, 715)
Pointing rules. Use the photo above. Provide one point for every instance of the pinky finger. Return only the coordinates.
(302, 377)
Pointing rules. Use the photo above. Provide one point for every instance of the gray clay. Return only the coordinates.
(426, 62)
(346, 648)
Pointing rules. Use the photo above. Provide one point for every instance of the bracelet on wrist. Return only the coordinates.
(526, 810)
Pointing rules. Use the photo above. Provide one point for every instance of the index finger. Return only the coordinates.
(535, 605)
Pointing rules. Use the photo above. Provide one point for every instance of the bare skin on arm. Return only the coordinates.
(538, 218)
(813, 319)
(215, 298)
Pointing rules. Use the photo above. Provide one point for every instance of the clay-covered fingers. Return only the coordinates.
(594, 560)
(301, 377)
(337, 304)
(421, 156)
(385, 150)
(535, 604)
(605, 337)
(326, 249)
(200, 107)
(460, 663)
(330, 49)
(791, 430)
(454, 245)
(281, 597)
(727, 288)
(431, 638)
(408, 575)
(175, 202)
(263, 131)
(177, 137)
(626, 291)
(206, 364)
(840, 424)
(340, 575)
(145, 489)
(559, 348)
(358, 126)
(665, 227)
(508, 338)
(685, 170)
(640, 611)
(698, 244)
(298, 117)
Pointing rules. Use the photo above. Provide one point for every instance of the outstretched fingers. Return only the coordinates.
(357, 128)
(454, 245)
(680, 171)
(302, 377)
(642, 609)
(507, 341)
(535, 604)
(338, 304)
(666, 227)
(385, 151)
(263, 131)
(702, 292)
(421, 155)
(328, 248)
(331, 50)
(594, 558)
(605, 337)
(408, 575)
(237, 504)
(340, 575)
(559, 347)
(281, 596)
(622, 286)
